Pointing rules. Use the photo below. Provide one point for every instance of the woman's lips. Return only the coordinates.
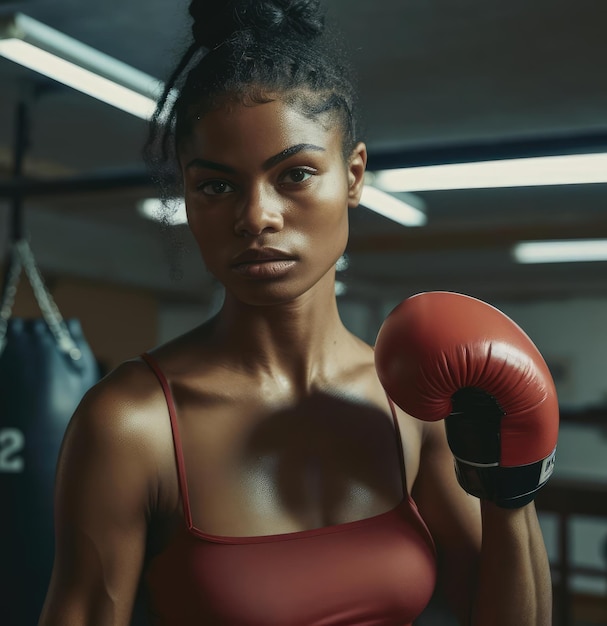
(265, 268)
(263, 263)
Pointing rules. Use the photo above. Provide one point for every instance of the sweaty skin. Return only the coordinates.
(264, 393)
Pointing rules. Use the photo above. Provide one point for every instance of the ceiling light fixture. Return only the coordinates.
(171, 212)
(340, 288)
(404, 213)
(565, 251)
(572, 169)
(343, 263)
(64, 59)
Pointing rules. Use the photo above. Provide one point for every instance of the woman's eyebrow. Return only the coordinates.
(267, 164)
(289, 152)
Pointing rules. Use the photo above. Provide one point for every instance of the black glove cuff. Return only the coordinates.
(508, 487)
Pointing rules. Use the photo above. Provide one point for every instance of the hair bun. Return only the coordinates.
(216, 22)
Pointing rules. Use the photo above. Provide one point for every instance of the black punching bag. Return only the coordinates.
(46, 366)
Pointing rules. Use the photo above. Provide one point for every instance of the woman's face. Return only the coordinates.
(267, 192)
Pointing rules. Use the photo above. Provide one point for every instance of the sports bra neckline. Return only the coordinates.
(300, 534)
(195, 532)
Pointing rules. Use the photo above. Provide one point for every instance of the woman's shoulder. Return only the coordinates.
(125, 409)
(129, 388)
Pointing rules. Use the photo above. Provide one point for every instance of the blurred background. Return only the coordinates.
(441, 82)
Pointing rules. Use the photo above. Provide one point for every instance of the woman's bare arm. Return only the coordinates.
(105, 479)
(514, 576)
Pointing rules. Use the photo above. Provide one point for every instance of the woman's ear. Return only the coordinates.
(357, 164)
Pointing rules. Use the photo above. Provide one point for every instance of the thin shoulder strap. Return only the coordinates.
(399, 445)
(181, 474)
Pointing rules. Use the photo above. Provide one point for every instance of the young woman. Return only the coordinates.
(253, 471)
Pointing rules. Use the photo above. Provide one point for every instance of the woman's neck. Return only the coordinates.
(300, 344)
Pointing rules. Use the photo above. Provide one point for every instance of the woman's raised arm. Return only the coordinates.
(493, 567)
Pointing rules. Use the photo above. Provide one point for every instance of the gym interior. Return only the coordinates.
(469, 84)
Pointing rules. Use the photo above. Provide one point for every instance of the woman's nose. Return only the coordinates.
(261, 212)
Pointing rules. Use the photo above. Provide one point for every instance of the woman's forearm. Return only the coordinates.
(514, 585)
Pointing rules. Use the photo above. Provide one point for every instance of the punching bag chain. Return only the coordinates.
(10, 290)
(23, 257)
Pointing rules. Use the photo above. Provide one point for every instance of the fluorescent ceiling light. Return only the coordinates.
(528, 172)
(78, 78)
(66, 60)
(391, 207)
(171, 212)
(343, 263)
(566, 251)
(340, 288)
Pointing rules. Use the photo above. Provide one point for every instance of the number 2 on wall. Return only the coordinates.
(12, 442)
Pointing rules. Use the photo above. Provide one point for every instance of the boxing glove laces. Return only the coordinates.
(442, 355)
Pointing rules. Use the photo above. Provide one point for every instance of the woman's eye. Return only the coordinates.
(215, 187)
(297, 175)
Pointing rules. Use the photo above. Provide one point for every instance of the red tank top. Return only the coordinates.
(378, 571)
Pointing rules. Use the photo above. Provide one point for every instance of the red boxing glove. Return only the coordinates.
(442, 355)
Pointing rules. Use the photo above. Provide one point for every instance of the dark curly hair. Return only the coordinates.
(252, 51)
